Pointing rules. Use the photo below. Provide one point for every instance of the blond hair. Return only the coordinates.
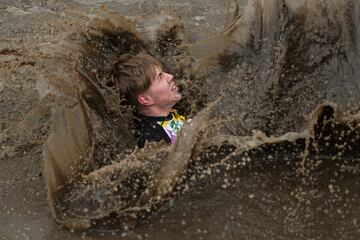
(132, 75)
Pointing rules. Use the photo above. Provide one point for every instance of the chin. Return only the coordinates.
(178, 95)
(178, 98)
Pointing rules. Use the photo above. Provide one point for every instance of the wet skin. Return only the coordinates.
(161, 96)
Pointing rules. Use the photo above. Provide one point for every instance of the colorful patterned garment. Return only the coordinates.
(173, 126)
(155, 129)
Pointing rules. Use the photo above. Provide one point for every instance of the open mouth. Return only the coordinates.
(174, 88)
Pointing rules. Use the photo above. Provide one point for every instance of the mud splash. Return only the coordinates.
(276, 90)
(271, 64)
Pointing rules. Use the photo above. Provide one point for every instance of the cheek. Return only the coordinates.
(157, 93)
(161, 92)
(163, 89)
(164, 94)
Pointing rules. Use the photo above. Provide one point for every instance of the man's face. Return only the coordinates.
(163, 90)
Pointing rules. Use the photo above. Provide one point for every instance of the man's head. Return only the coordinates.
(141, 79)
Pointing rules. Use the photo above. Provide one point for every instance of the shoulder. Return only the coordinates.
(144, 123)
(148, 129)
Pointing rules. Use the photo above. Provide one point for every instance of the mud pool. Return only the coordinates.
(273, 153)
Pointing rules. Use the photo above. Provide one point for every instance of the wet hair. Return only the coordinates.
(132, 74)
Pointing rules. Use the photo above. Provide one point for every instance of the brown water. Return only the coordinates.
(272, 151)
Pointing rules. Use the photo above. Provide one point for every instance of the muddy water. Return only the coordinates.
(274, 69)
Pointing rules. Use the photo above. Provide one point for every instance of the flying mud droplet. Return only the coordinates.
(274, 89)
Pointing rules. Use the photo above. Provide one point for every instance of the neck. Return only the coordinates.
(155, 111)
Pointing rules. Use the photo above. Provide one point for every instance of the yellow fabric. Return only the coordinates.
(173, 126)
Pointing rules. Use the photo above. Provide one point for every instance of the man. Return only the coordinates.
(153, 92)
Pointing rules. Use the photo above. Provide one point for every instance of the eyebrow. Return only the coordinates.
(158, 75)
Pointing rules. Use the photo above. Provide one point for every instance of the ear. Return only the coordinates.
(145, 100)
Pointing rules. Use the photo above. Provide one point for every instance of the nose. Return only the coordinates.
(169, 77)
